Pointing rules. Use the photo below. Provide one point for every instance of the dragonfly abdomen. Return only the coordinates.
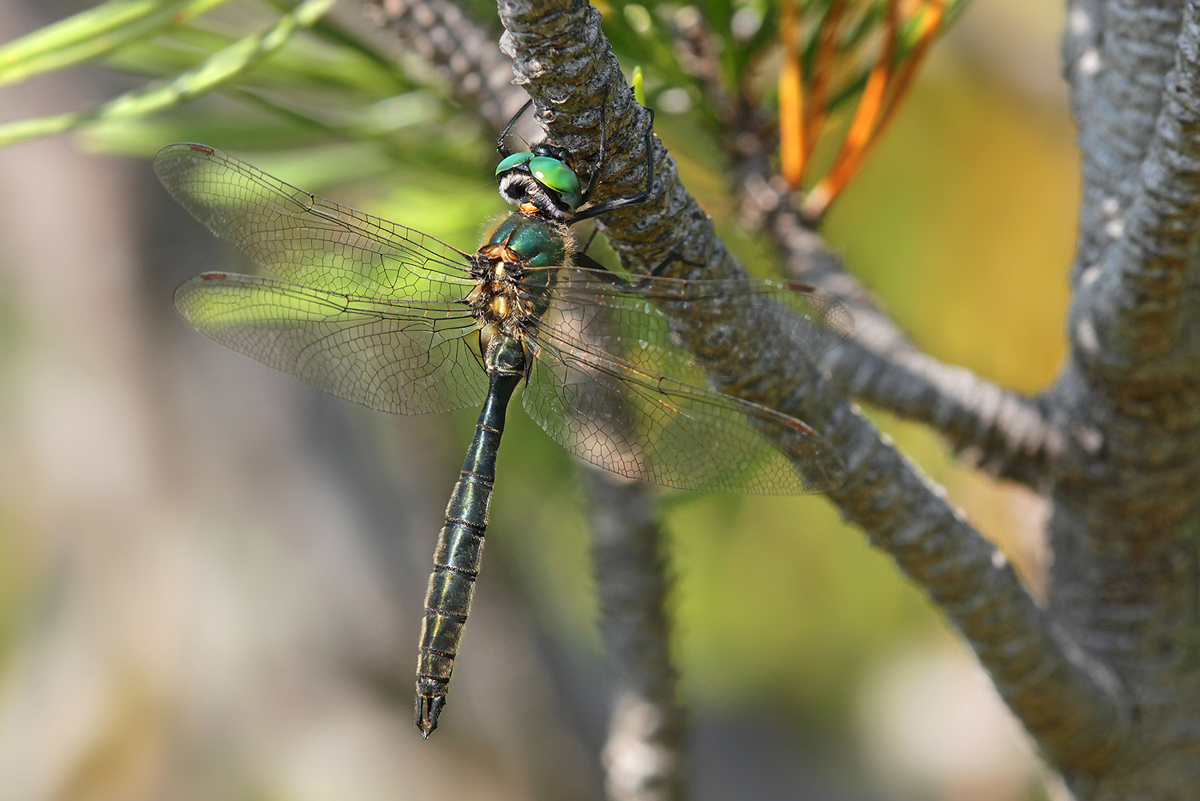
(459, 554)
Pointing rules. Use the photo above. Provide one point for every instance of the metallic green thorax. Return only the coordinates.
(539, 246)
(538, 242)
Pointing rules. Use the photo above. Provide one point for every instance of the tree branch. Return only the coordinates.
(1125, 571)
(1124, 47)
(1081, 43)
(1072, 705)
(1130, 316)
(476, 73)
(644, 758)
(1000, 431)
(997, 430)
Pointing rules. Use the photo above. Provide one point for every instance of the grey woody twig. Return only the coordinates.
(644, 758)
(477, 75)
(1000, 431)
(1007, 434)
(1119, 52)
(1130, 313)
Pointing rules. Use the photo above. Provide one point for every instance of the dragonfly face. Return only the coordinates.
(541, 181)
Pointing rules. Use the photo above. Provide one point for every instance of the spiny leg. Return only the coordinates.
(622, 202)
(581, 259)
(581, 253)
(674, 256)
(500, 146)
(594, 175)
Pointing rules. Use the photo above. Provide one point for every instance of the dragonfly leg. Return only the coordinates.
(594, 174)
(581, 253)
(581, 259)
(502, 148)
(631, 200)
(671, 258)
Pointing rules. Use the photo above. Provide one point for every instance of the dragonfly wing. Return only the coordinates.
(395, 356)
(613, 384)
(307, 239)
(812, 322)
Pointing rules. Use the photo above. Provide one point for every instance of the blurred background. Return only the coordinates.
(211, 576)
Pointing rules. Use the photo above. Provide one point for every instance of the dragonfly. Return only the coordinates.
(394, 319)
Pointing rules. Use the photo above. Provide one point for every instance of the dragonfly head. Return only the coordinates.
(542, 178)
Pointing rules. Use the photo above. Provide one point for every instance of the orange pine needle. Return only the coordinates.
(822, 71)
(866, 117)
(930, 24)
(792, 148)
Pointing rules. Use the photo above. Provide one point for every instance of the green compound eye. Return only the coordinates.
(515, 160)
(556, 176)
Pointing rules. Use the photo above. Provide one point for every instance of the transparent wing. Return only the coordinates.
(613, 384)
(814, 324)
(396, 356)
(307, 239)
(370, 311)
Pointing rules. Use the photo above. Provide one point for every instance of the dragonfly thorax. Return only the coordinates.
(503, 310)
(515, 273)
(537, 241)
(496, 300)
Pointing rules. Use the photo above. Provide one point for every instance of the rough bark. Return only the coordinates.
(1125, 509)
(644, 758)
